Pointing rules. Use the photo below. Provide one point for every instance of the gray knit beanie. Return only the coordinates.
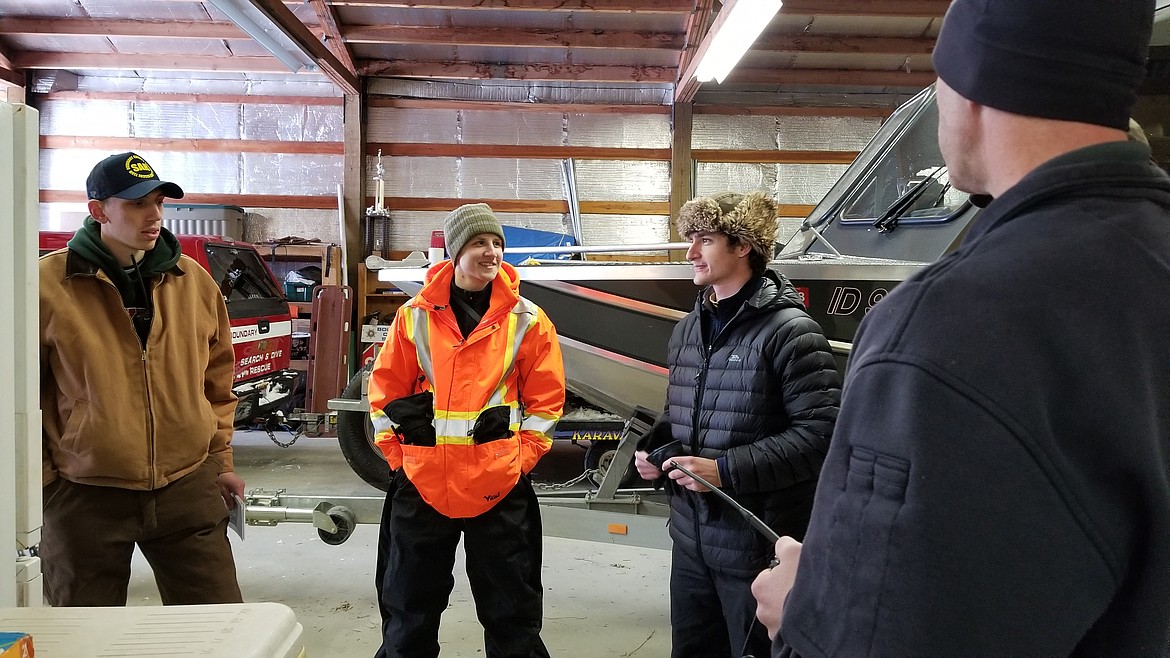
(750, 217)
(1071, 60)
(466, 222)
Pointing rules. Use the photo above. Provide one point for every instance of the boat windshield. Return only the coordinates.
(908, 184)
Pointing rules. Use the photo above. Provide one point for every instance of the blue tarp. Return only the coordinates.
(515, 236)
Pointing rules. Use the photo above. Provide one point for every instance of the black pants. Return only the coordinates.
(712, 613)
(416, 557)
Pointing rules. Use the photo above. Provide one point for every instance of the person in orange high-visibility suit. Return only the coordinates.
(464, 397)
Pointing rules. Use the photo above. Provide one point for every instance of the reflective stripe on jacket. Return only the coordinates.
(512, 358)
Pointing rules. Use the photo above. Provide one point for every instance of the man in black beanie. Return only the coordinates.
(999, 478)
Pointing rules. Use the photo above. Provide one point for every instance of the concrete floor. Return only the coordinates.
(601, 600)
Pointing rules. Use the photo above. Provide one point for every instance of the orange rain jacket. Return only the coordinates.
(512, 358)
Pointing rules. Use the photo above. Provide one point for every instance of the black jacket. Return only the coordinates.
(999, 479)
(761, 401)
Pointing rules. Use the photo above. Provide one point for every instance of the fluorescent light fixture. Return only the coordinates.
(738, 25)
(253, 20)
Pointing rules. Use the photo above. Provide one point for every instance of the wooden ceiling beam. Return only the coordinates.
(697, 25)
(161, 97)
(686, 86)
(541, 152)
(510, 37)
(504, 106)
(486, 71)
(609, 6)
(327, 62)
(327, 17)
(793, 111)
(184, 145)
(879, 8)
(11, 77)
(233, 64)
(832, 77)
(85, 27)
(859, 45)
(328, 202)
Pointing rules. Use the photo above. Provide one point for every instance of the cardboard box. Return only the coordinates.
(16, 645)
(302, 325)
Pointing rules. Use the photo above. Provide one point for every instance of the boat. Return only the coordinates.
(892, 213)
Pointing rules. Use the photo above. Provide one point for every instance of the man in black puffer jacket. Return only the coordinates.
(753, 394)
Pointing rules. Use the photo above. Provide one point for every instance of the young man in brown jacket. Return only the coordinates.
(136, 379)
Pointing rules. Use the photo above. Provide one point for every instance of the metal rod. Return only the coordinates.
(593, 249)
(745, 512)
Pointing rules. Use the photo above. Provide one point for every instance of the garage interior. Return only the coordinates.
(352, 127)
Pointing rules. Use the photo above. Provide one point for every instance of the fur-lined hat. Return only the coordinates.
(751, 218)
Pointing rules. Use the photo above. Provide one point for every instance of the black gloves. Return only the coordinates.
(415, 416)
(492, 424)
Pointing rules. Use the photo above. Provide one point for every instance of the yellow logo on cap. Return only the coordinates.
(137, 167)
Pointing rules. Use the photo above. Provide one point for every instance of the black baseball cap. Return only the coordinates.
(127, 176)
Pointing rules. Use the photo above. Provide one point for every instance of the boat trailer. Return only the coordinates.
(609, 514)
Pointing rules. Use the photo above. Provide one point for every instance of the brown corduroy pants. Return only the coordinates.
(89, 534)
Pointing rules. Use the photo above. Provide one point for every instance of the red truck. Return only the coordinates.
(260, 318)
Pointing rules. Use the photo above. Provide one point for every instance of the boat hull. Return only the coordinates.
(615, 320)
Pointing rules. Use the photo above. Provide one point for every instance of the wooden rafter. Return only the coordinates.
(572, 108)
(234, 64)
(160, 97)
(687, 86)
(516, 151)
(121, 28)
(832, 77)
(287, 22)
(333, 40)
(8, 73)
(511, 37)
(882, 8)
(328, 202)
(843, 44)
(191, 145)
(11, 77)
(698, 24)
(793, 110)
(613, 6)
(436, 204)
(526, 71)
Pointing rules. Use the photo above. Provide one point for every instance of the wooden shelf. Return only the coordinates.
(370, 301)
(285, 258)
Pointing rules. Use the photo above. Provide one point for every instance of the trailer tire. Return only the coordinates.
(355, 435)
(598, 458)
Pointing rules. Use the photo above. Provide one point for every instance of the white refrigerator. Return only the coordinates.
(20, 416)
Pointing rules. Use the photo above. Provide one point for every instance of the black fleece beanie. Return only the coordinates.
(1071, 60)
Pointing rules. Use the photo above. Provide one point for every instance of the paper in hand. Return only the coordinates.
(237, 516)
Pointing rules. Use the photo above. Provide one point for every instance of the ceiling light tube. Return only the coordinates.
(739, 24)
(252, 19)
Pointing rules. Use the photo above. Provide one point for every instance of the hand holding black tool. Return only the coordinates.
(751, 518)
